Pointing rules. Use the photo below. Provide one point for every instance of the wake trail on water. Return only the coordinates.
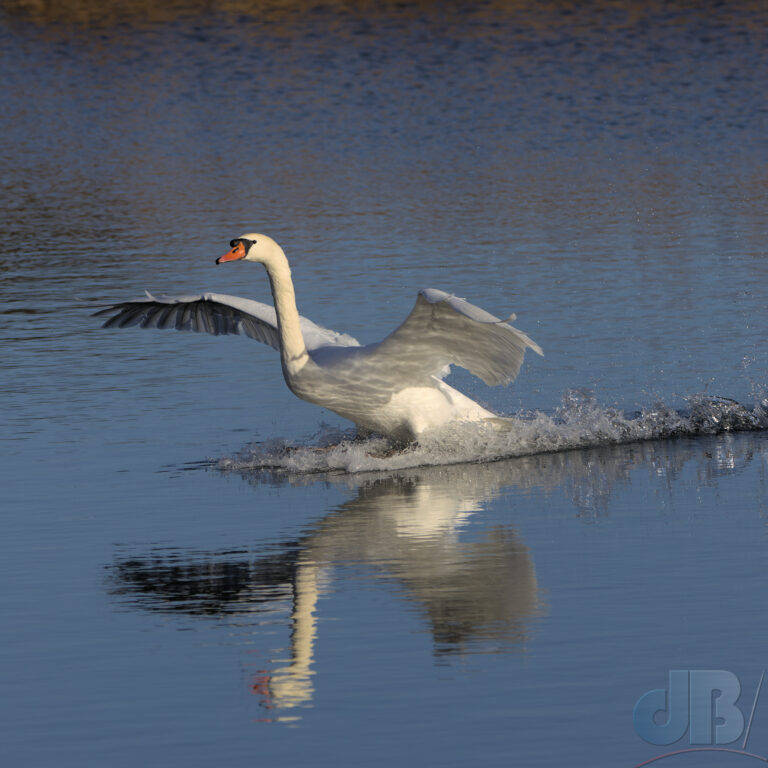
(579, 422)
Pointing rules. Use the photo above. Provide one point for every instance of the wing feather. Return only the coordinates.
(444, 330)
(130, 318)
(150, 318)
(216, 314)
(184, 318)
(164, 317)
(201, 320)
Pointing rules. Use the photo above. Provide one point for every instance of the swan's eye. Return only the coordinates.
(246, 243)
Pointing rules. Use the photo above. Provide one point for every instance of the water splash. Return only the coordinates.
(579, 422)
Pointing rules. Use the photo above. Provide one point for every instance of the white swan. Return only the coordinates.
(393, 387)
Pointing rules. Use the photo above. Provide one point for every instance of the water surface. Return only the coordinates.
(190, 576)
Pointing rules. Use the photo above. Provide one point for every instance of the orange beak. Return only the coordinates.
(238, 252)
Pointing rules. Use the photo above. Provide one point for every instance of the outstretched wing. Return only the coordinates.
(216, 313)
(443, 330)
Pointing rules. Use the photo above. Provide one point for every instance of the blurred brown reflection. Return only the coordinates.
(125, 132)
(568, 13)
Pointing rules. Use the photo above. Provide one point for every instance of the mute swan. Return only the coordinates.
(394, 387)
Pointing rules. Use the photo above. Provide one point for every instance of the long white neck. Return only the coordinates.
(292, 685)
(293, 350)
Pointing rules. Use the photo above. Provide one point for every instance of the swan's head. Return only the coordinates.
(252, 247)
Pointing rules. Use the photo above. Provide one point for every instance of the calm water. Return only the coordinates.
(187, 579)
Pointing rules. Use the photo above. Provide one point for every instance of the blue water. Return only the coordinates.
(199, 568)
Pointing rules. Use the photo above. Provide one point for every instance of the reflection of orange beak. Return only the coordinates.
(238, 252)
(260, 686)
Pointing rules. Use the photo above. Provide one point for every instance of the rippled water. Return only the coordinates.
(199, 567)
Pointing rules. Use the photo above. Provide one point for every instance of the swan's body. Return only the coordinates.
(393, 387)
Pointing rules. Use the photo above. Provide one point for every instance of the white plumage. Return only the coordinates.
(393, 387)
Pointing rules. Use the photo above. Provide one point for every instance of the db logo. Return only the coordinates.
(700, 701)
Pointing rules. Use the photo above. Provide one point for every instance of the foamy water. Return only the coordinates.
(579, 422)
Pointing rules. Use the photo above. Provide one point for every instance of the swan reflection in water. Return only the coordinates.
(478, 594)
(475, 586)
